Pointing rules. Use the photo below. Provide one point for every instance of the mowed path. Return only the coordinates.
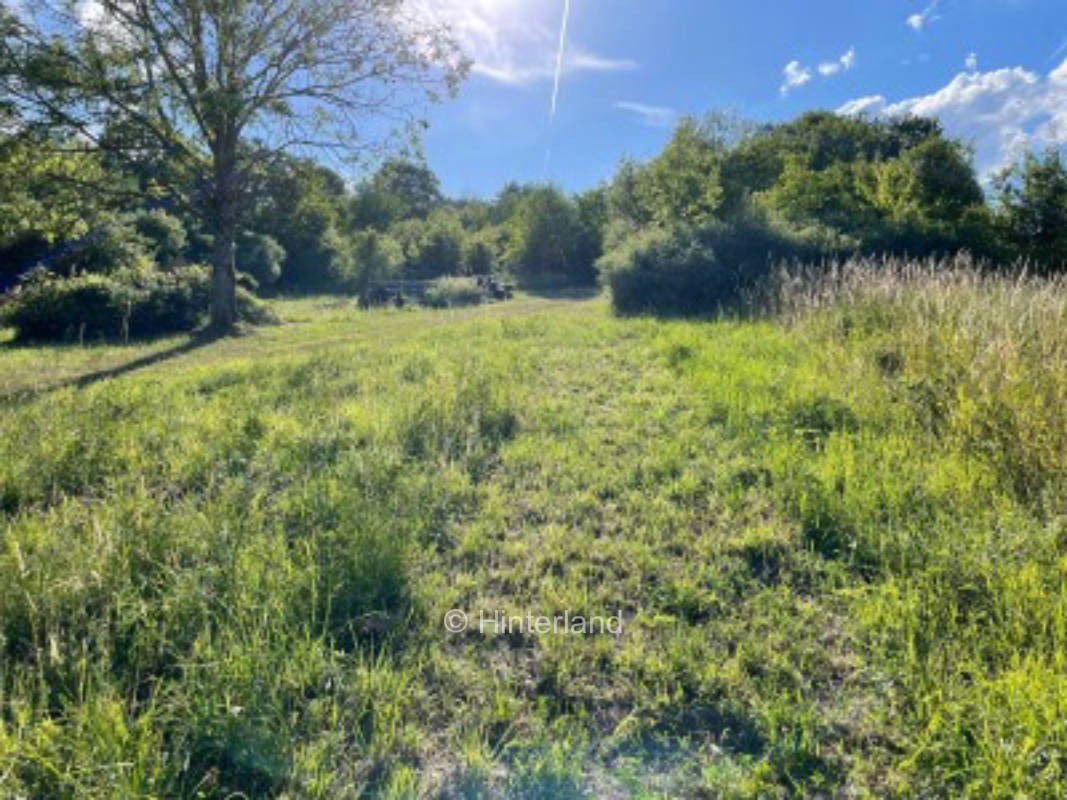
(308, 325)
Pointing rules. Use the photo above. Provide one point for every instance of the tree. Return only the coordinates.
(829, 197)
(546, 237)
(411, 190)
(931, 182)
(163, 233)
(683, 180)
(40, 199)
(433, 246)
(1033, 207)
(261, 257)
(217, 86)
(299, 204)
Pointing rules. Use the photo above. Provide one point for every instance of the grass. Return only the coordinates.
(835, 538)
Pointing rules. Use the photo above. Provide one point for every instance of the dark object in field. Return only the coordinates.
(376, 295)
(494, 288)
(398, 293)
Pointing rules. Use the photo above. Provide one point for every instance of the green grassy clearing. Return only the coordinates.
(836, 540)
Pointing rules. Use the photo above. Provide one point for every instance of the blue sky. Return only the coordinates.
(994, 71)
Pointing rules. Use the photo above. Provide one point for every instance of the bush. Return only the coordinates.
(548, 238)
(47, 307)
(201, 247)
(163, 234)
(317, 257)
(479, 257)
(375, 257)
(432, 247)
(698, 270)
(261, 257)
(448, 292)
(111, 247)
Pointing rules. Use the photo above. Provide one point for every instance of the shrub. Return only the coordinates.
(432, 247)
(111, 247)
(317, 257)
(448, 292)
(16, 256)
(479, 257)
(375, 256)
(547, 238)
(698, 270)
(47, 307)
(261, 257)
(163, 233)
(201, 247)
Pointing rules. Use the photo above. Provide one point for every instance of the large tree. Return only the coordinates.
(1033, 209)
(216, 87)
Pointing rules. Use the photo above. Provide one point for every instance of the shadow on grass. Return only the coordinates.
(195, 342)
(554, 291)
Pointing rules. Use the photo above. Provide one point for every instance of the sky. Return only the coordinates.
(993, 71)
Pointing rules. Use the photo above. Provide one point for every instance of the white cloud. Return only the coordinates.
(971, 63)
(520, 71)
(863, 105)
(919, 21)
(509, 43)
(845, 63)
(107, 28)
(652, 116)
(1002, 113)
(796, 74)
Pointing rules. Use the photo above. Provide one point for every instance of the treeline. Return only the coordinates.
(700, 225)
(304, 229)
(688, 231)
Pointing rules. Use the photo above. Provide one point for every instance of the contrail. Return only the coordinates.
(1059, 50)
(559, 74)
(559, 57)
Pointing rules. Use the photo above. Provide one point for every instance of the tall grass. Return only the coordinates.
(979, 357)
(835, 533)
(954, 507)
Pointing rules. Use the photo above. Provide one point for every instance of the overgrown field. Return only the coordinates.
(837, 540)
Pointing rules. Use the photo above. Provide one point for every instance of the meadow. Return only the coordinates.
(835, 535)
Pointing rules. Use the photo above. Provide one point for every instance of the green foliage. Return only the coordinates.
(697, 270)
(831, 197)
(118, 305)
(41, 192)
(832, 185)
(376, 257)
(932, 181)
(227, 572)
(261, 257)
(479, 257)
(203, 97)
(1033, 209)
(449, 292)
(431, 247)
(113, 246)
(681, 185)
(163, 233)
(317, 256)
(400, 190)
(547, 237)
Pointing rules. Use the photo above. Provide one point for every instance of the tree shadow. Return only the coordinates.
(195, 342)
(561, 291)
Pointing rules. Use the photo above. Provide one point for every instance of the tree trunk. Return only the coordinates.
(223, 281)
(224, 276)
